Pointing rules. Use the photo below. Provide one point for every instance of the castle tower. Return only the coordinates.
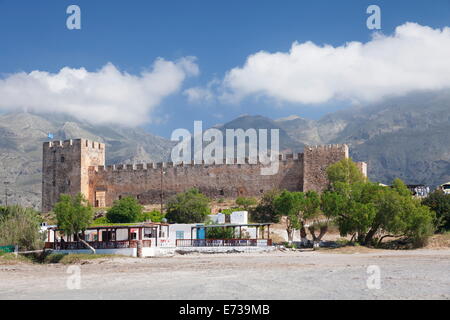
(316, 161)
(65, 168)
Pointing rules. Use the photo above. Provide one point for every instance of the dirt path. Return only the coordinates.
(421, 274)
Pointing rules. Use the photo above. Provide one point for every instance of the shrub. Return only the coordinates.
(439, 202)
(265, 210)
(125, 210)
(188, 207)
(153, 216)
(246, 203)
(231, 210)
(21, 226)
(101, 221)
(220, 233)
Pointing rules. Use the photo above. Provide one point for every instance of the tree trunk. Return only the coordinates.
(370, 234)
(323, 231)
(290, 234)
(360, 238)
(303, 235)
(317, 239)
(312, 231)
(383, 237)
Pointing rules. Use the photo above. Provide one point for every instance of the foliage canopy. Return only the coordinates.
(73, 214)
(188, 207)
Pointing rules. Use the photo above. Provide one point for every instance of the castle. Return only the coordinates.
(74, 166)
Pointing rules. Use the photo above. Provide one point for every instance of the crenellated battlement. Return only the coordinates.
(327, 147)
(80, 143)
(65, 168)
(157, 166)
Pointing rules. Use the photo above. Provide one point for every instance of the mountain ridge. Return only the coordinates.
(406, 137)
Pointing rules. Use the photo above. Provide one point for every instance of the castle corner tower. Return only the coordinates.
(65, 168)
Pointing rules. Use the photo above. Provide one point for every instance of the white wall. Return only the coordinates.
(185, 228)
(239, 217)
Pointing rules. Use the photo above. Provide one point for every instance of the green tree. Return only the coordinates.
(153, 216)
(188, 207)
(289, 205)
(220, 233)
(73, 214)
(246, 203)
(20, 226)
(125, 210)
(265, 210)
(344, 172)
(401, 188)
(366, 210)
(311, 210)
(439, 202)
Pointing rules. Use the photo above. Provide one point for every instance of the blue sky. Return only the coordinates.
(220, 34)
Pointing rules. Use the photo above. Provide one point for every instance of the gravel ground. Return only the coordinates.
(419, 274)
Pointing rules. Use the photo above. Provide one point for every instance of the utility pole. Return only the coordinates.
(161, 191)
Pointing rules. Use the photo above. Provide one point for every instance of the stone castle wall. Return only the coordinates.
(76, 166)
(65, 168)
(145, 182)
(316, 161)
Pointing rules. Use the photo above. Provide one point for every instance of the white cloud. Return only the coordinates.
(197, 94)
(415, 57)
(104, 96)
(203, 94)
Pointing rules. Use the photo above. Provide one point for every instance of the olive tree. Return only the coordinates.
(265, 210)
(188, 207)
(288, 205)
(125, 210)
(73, 214)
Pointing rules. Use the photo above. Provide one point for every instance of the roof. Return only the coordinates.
(123, 226)
(233, 225)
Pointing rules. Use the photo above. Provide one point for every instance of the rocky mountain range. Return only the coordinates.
(22, 135)
(407, 137)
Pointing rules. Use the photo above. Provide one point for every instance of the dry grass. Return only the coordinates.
(439, 241)
(348, 250)
(12, 259)
(76, 258)
(276, 238)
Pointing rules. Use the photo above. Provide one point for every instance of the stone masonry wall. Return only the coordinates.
(227, 180)
(65, 168)
(76, 166)
(316, 161)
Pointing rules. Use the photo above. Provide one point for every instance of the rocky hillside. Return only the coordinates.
(22, 135)
(406, 137)
(245, 122)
